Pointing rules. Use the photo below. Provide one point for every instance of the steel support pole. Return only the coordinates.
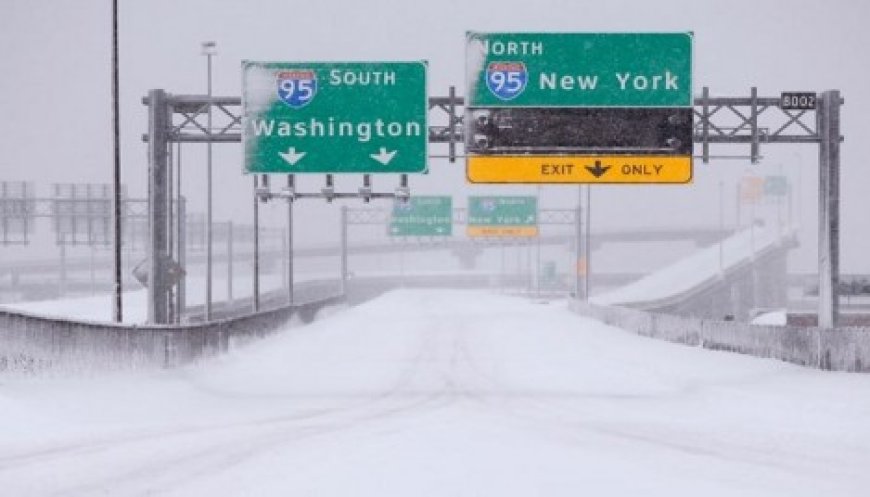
(721, 227)
(179, 238)
(157, 163)
(578, 243)
(290, 296)
(208, 226)
(62, 285)
(117, 312)
(229, 262)
(181, 289)
(828, 116)
(451, 124)
(170, 217)
(588, 248)
(344, 250)
(255, 297)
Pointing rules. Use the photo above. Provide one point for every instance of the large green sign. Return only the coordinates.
(579, 69)
(503, 216)
(337, 117)
(422, 216)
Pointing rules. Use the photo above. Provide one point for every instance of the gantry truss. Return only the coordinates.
(749, 120)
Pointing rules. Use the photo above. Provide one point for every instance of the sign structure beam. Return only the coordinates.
(717, 121)
(158, 289)
(829, 208)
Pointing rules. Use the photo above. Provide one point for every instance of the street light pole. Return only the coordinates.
(208, 49)
(117, 313)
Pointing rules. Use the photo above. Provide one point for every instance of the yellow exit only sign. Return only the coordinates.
(598, 169)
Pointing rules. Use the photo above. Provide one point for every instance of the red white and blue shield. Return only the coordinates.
(297, 87)
(506, 80)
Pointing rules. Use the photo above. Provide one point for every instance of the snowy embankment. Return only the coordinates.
(694, 270)
(434, 393)
(98, 308)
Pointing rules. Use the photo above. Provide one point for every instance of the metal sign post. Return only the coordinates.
(828, 117)
(158, 290)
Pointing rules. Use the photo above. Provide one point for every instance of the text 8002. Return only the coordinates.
(798, 101)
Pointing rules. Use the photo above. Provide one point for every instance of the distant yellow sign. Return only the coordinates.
(751, 189)
(503, 231)
(582, 266)
(645, 169)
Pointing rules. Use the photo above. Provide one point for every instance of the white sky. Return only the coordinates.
(55, 107)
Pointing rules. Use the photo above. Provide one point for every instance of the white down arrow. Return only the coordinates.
(383, 156)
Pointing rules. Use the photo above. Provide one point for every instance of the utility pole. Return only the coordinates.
(117, 313)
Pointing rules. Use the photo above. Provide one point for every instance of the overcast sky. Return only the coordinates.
(55, 87)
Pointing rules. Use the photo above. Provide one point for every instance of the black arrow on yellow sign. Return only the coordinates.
(597, 171)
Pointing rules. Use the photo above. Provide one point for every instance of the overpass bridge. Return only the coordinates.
(722, 282)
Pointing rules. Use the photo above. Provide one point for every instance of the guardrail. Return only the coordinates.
(837, 349)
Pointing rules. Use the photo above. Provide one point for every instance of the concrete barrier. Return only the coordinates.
(839, 349)
(30, 343)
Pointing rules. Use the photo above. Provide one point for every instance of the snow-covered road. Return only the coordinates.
(444, 393)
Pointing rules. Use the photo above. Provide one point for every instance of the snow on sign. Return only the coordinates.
(336, 117)
(579, 107)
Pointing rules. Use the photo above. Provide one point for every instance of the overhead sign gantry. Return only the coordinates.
(579, 107)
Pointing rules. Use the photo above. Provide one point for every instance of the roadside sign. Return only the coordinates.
(336, 117)
(621, 98)
(776, 186)
(751, 189)
(514, 216)
(422, 216)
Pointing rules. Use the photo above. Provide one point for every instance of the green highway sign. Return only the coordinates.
(503, 216)
(776, 186)
(579, 69)
(336, 117)
(422, 216)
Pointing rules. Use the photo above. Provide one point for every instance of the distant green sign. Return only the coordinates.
(336, 117)
(579, 69)
(422, 216)
(776, 186)
(503, 216)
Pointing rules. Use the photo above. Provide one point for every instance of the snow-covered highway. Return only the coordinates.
(444, 393)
